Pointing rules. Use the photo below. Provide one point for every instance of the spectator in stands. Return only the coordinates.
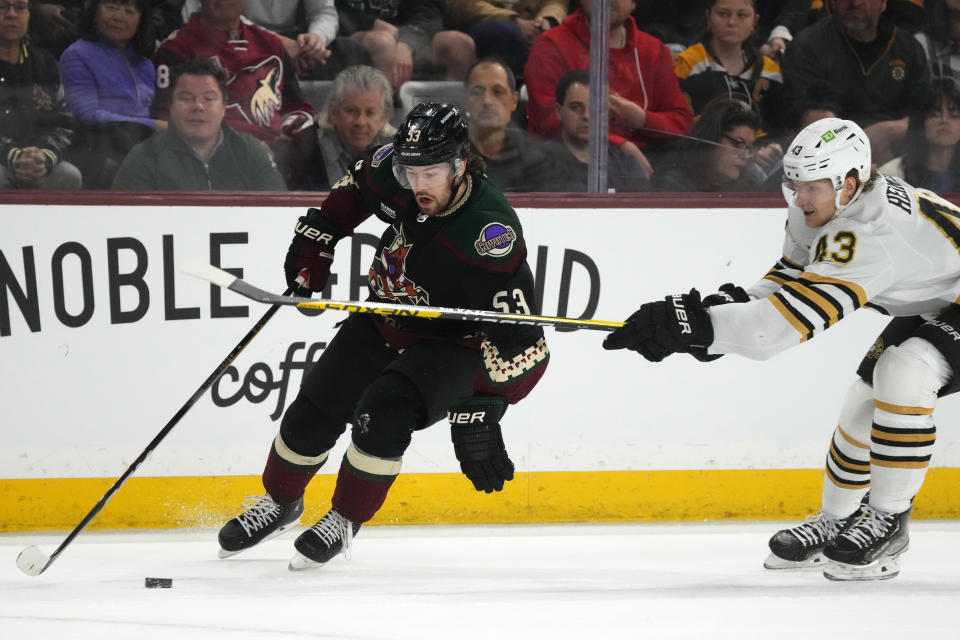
(677, 23)
(645, 98)
(719, 154)
(568, 153)
(109, 83)
(780, 20)
(264, 94)
(505, 29)
(725, 61)
(199, 151)
(355, 116)
(931, 159)
(35, 127)
(940, 38)
(405, 38)
(879, 72)
(797, 117)
(515, 161)
(55, 24)
(308, 29)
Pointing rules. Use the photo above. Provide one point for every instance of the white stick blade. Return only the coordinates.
(32, 561)
(209, 273)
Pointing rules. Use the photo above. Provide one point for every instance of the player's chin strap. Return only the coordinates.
(842, 207)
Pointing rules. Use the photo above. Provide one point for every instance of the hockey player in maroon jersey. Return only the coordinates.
(265, 98)
(452, 240)
(854, 238)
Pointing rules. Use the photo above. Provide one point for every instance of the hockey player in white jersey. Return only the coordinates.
(854, 239)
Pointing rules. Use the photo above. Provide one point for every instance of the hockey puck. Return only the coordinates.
(158, 583)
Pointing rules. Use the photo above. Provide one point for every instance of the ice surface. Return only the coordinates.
(461, 582)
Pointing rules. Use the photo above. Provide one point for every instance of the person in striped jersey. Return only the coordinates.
(854, 238)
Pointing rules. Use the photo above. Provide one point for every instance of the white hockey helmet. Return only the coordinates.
(828, 148)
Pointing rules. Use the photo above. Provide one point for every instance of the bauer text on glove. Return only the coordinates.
(478, 442)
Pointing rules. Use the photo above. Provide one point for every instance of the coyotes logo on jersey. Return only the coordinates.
(255, 93)
(388, 278)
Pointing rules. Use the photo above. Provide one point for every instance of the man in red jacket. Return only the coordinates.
(644, 93)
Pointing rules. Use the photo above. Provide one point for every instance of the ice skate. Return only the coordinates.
(801, 547)
(321, 542)
(262, 518)
(870, 549)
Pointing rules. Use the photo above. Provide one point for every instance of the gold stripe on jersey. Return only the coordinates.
(902, 410)
(851, 440)
(821, 302)
(778, 277)
(796, 320)
(940, 216)
(790, 263)
(852, 289)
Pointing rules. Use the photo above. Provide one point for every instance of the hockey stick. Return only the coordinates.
(229, 281)
(32, 561)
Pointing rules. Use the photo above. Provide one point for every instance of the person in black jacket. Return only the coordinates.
(35, 127)
(878, 71)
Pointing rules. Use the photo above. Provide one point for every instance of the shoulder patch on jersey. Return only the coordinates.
(495, 240)
(381, 154)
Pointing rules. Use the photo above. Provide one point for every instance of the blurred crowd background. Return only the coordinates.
(704, 95)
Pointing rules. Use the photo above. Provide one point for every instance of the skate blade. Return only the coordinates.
(223, 553)
(878, 570)
(775, 562)
(300, 562)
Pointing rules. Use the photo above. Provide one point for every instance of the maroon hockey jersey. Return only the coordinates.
(263, 83)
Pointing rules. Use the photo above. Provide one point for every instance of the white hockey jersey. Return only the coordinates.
(895, 249)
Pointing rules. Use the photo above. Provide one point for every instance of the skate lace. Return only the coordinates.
(817, 529)
(258, 512)
(333, 527)
(872, 524)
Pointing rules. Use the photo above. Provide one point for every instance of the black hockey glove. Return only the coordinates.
(311, 249)
(677, 324)
(728, 293)
(478, 443)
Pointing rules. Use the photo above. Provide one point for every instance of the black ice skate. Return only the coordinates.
(801, 547)
(262, 518)
(321, 542)
(870, 549)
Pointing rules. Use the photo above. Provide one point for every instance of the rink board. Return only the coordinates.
(102, 340)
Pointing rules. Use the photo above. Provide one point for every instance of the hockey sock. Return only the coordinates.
(287, 473)
(847, 475)
(363, 483)
(906, 382)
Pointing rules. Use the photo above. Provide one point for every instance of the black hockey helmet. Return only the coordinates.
(430, 134)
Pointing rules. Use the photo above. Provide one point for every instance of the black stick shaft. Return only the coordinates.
(168, 428)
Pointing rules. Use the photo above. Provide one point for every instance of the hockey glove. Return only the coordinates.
(678, 324)
(311, 249)
(478, 443)
(728, 293)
